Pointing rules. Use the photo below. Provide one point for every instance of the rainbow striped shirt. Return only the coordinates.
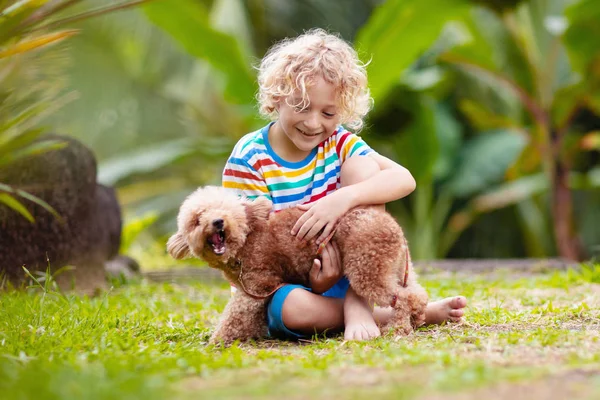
(253, 169)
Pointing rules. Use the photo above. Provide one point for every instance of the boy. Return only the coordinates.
(309, 86)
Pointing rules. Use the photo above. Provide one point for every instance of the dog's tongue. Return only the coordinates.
(216, 239)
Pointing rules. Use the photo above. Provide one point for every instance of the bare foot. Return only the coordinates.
(450, 309)
(362, 331)
(358, 318)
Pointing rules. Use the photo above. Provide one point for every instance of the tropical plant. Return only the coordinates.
(31, 80)
(520, 115)
(542, 61)
(170, 120)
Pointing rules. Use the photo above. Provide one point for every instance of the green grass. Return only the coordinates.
(537, 334)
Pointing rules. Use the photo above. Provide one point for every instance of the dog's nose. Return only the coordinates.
(218, 223)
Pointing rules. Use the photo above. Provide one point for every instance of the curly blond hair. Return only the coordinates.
(291, 66)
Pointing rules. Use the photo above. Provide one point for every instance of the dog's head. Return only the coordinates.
(213, 224)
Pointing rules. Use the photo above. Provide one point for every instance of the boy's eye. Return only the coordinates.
(329, 114)
(300, 109)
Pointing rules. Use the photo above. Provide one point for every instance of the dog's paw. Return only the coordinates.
(218, 339)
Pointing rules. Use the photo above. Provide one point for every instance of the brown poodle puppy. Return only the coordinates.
(257, 254)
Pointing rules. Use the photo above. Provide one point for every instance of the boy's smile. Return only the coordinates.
(299, 130)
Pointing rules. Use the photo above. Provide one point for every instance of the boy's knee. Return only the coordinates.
(357, 169)
(296, 309)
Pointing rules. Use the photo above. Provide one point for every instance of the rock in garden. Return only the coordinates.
(87, 235)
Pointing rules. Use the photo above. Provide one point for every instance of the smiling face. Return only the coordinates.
(301, 126)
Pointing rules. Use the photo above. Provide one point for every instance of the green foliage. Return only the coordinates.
(30, 82)
(582, 38)
(460, 90)
(133, 229)
(188, 21)
(514, 75)
(484, 161)
(500, 6)
(395, 36)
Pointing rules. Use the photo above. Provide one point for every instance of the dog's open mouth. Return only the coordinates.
(217, 242)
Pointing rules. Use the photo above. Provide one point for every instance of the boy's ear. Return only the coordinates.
(177, 247)
(260, 208)
(277, 104)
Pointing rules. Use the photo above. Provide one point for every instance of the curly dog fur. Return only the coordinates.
(256, 252)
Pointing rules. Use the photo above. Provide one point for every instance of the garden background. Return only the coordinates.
(494, 106)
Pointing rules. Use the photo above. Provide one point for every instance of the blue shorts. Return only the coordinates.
(274, 318)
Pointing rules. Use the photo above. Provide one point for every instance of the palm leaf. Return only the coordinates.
(7, 188)
(13, 203)
(37, 42)
(31, 150)
(92, 13)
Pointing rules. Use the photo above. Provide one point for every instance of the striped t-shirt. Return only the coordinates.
(253, 169)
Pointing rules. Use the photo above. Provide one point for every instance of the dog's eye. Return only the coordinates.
(197, 221)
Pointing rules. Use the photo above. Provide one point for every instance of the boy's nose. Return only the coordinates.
(312, 122)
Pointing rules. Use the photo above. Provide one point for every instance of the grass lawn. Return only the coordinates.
(526, 336)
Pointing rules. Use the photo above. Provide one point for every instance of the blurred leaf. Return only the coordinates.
(510, 193)
(566, 101)
(20, 6)
(39, 202)
(13, 203)
(187, 21)
(590, 141)
(142, 160)
(493, 199)
(30, 197)
(29, 113)
(449, 137)
(582, 37)
(138, 191)
(527, 163)
(31, 150)
(481, 117)
(423, 79)
(476, 46)
(535, 226)
(500, 81)
(133, 228)
(10, 142)
(230, 16)
(396, 35)
(103, 10)
(34, 43)
(499, 6)
(417, 148)
(484, 161)
(594, 177)
(14, 15)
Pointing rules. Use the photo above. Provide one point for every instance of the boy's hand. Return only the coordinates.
(324, 274)
(322, 215)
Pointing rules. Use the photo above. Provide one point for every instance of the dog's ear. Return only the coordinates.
(177, 247)
(258, 209)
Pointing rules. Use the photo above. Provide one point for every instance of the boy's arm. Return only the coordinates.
(392, 182)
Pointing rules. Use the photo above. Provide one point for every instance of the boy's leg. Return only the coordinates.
(450, 309)
(309, 313)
